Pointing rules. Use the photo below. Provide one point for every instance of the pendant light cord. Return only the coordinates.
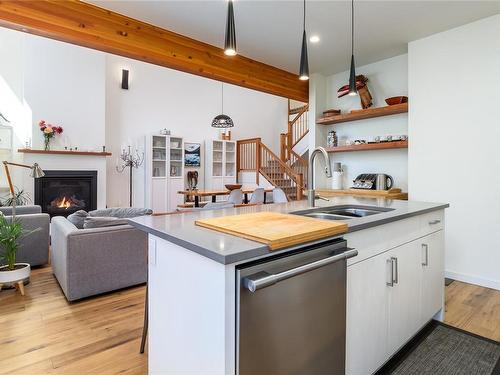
(222, 98)
(304, 15)
(352, 27)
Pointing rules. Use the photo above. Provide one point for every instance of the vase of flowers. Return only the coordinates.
(49, 131)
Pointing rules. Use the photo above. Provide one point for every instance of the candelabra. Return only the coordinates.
(131, 160)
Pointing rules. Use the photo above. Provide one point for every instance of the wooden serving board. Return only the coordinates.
(275, 229)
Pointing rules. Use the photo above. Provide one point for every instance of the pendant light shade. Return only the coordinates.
(304, 61)
(352, 79)
(230, 40)
(222, 120)
(352, 76)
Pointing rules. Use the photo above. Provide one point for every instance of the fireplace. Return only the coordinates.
(60, 193)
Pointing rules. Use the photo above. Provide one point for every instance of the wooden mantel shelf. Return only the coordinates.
(364, 114)
(63, 152)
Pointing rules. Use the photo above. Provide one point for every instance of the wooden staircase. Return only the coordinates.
(298, 127)
(254, 156)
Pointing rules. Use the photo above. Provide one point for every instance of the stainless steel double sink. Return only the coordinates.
(342, 212)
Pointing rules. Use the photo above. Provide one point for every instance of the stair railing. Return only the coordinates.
(254, 156)
(298, 127)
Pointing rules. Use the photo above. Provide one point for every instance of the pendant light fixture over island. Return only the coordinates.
(222, 121)
(230, 40)
(304, 63)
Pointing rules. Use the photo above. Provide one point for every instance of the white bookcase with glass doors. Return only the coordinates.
(220, 163)
(164, 172)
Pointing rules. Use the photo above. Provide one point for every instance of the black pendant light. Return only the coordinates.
(352, 76)
(304, 62)
(230, 41)
(222, 121)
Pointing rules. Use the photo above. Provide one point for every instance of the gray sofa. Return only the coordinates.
(34, 247)
(91, 261)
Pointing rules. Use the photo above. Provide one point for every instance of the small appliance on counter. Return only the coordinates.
(375, 181)
(384, 182)
(338, 175)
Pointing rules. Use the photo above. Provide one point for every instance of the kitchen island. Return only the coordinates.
(394, 284)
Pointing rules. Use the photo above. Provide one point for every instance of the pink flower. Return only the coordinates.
(58, 129)
(41, 123)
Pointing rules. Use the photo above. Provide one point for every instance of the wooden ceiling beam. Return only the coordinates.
(87, 25)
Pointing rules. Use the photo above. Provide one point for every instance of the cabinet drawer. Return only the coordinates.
(373, 241)
(431, 222)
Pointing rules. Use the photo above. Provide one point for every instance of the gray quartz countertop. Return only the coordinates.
(226, 249)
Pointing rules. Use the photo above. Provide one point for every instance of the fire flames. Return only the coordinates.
(65, 203)
(62, 202)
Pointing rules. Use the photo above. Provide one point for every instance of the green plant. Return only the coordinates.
(10, 233)
(21, 198)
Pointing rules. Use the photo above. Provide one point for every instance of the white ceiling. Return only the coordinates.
(271, 31)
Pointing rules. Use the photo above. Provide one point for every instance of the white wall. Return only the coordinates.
(386, 78)
(64, 85)
(186, 104)
(454, 133)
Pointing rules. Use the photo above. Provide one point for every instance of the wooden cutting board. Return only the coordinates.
(275, 229)
(394, 193)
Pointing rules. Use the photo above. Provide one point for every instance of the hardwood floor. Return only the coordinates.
(474, 309)
(42, 333)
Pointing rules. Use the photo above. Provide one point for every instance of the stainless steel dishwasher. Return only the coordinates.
(291, 312)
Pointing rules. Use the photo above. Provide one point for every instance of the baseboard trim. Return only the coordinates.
(487, 283)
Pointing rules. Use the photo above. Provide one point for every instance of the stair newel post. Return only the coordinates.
(283, 147)
(299, 186)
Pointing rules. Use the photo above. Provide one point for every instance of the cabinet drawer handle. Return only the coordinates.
(391, 266)
(396, 272)
(425, 247)
(433, 222)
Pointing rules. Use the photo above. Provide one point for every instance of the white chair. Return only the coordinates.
(235, 197)
(257, 196)
(279, 196)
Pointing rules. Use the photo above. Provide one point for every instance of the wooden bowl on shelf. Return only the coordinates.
(233, 186)
(396, 100)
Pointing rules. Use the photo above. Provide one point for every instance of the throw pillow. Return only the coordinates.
(78, 218)
(100, 222)
(126, 212)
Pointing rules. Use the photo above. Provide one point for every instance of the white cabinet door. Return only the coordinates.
(174, 198)
(404, 295)
(367, 314)
(159, 195)
(432, 261)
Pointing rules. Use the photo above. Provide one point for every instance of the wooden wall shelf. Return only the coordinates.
(63, 152)
(364, 114)
(370, 146)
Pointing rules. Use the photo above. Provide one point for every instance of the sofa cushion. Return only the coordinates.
(103, 221)
(78, 218)
(126, 212)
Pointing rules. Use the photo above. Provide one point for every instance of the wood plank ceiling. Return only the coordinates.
(86, 25)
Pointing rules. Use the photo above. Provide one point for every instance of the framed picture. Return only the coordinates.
(192, 154)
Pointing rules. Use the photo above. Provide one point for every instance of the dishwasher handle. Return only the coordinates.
(262, 279)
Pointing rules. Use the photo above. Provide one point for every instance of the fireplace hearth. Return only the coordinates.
(60, 193)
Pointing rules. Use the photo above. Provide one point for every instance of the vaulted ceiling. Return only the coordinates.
(270, 31)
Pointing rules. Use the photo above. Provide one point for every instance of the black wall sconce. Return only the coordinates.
(124, 79)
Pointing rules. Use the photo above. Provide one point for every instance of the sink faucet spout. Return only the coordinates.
(311, 194)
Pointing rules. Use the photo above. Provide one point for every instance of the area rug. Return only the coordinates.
(442, 349)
